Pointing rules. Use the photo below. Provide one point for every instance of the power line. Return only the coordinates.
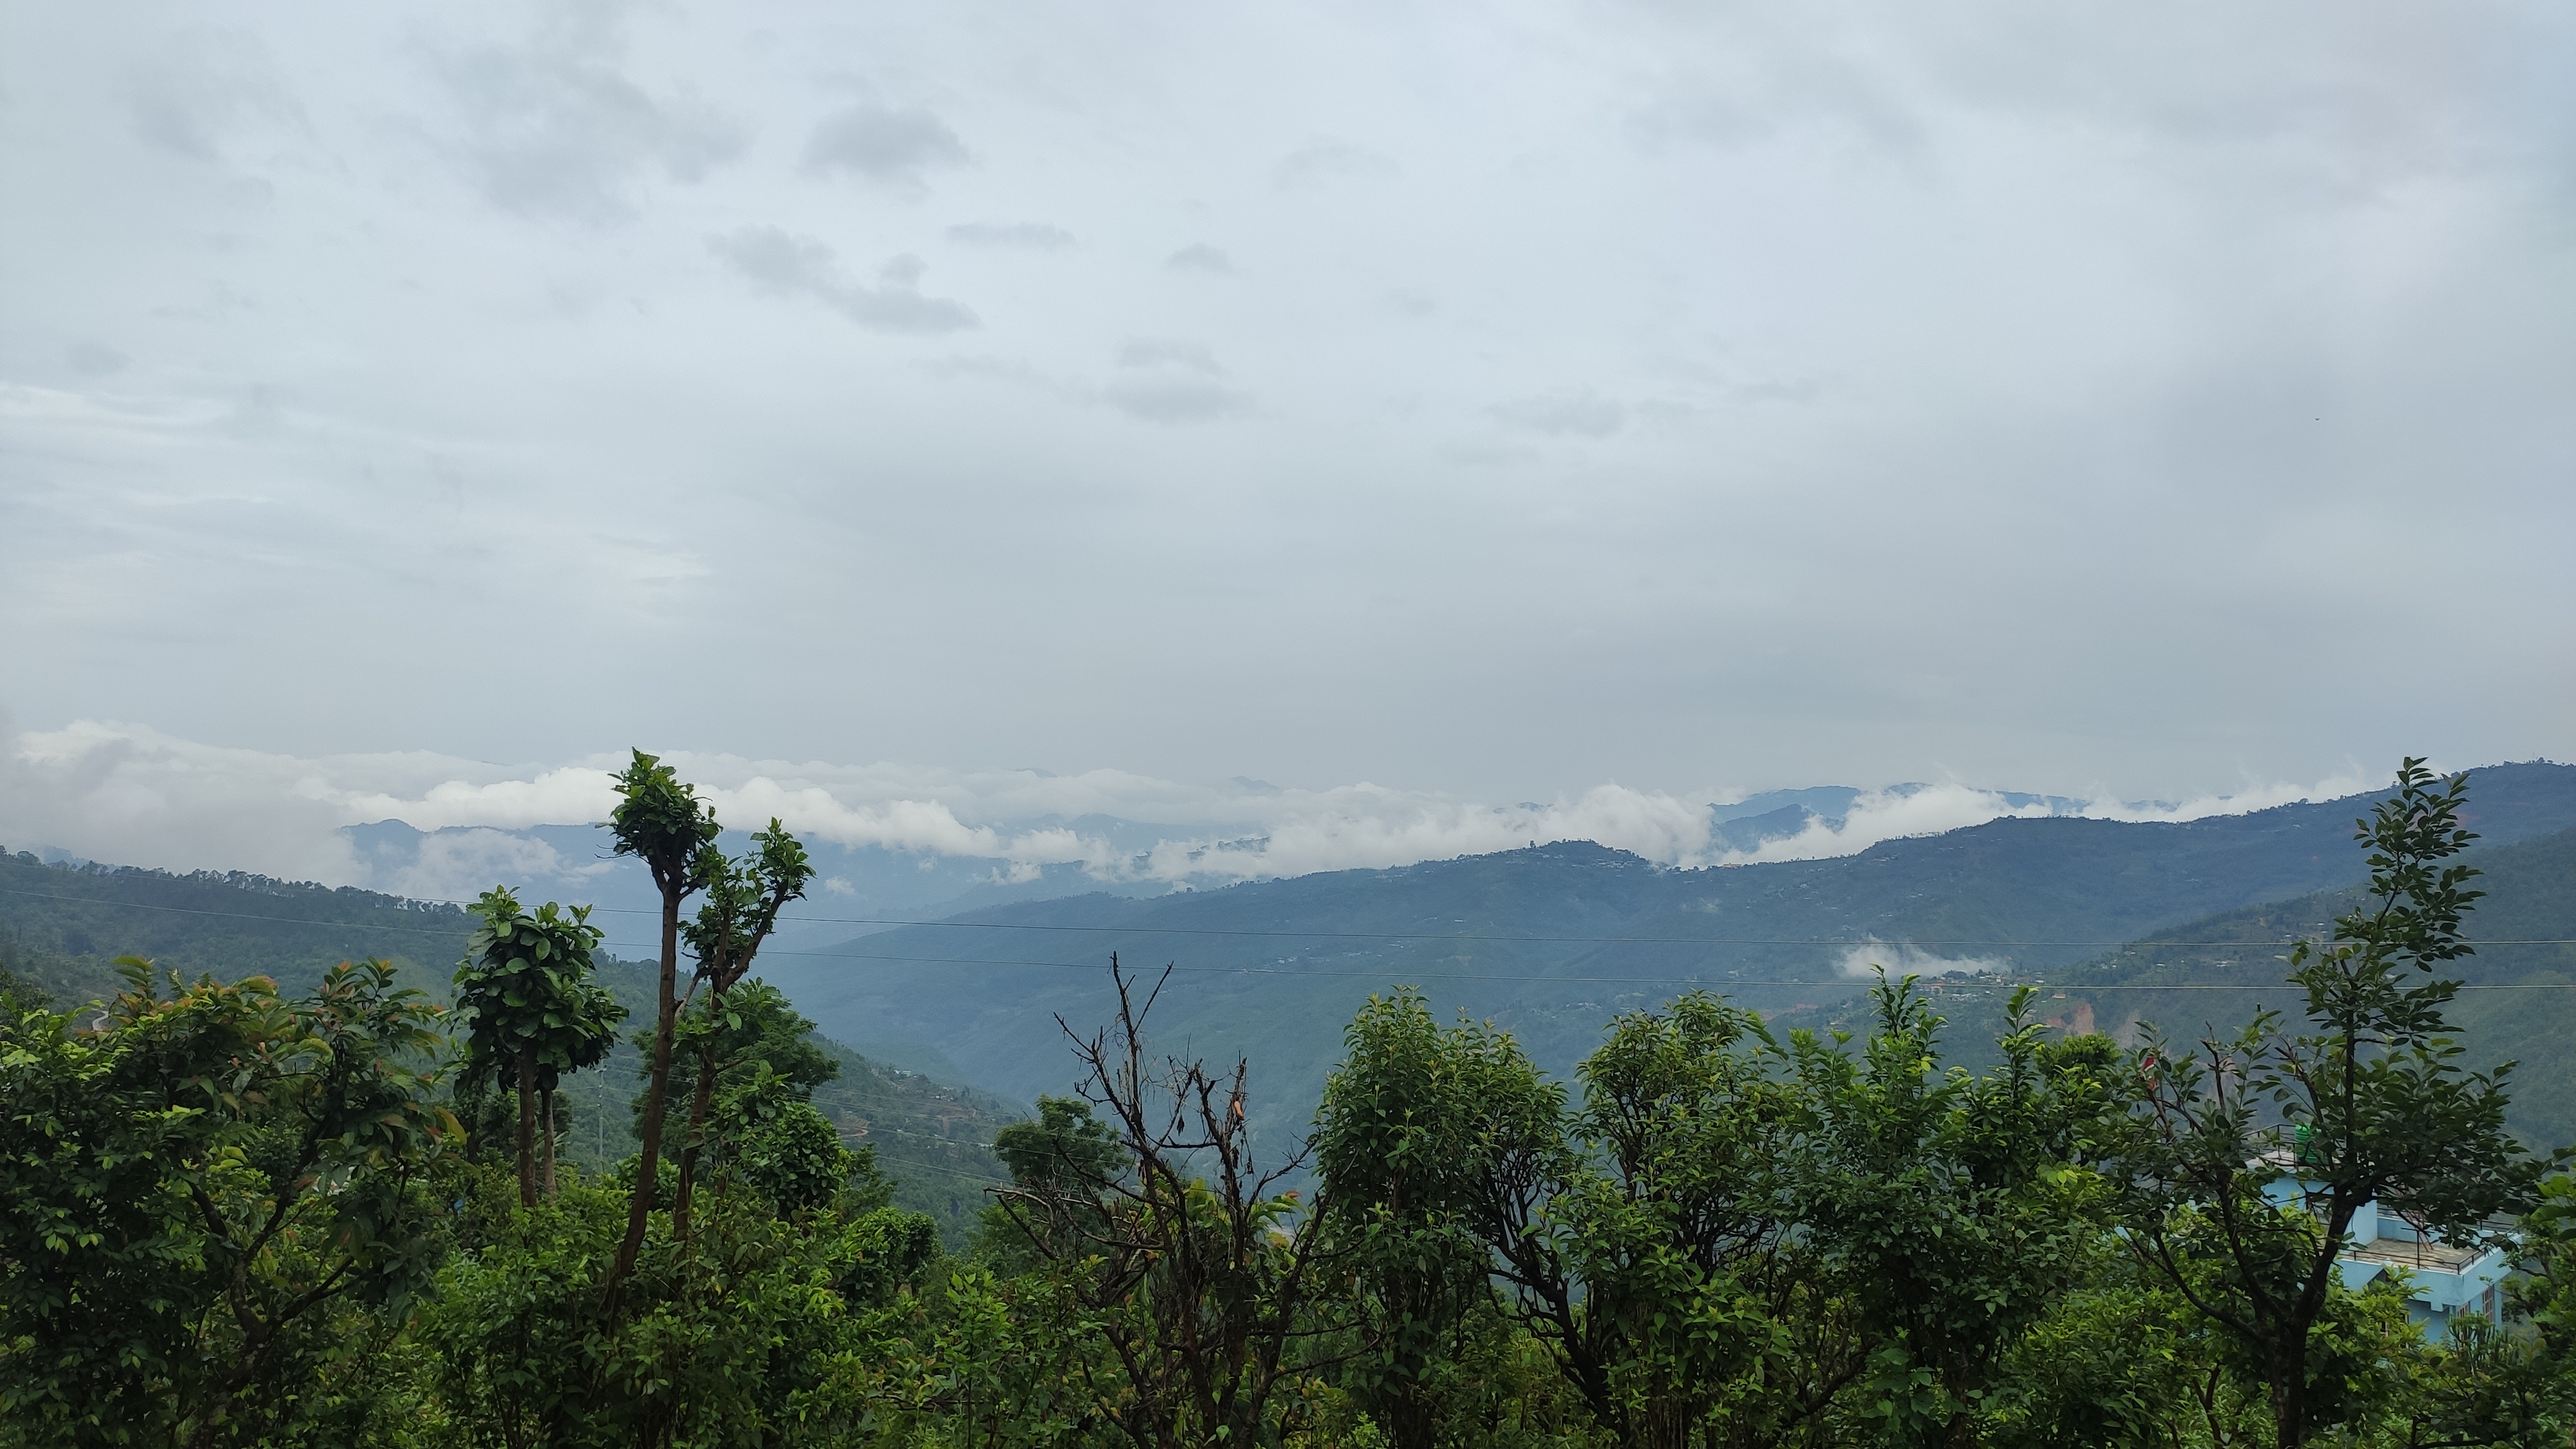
(1728, 981)
(235, 915)
(1269, 970)
(1549, 940)
(1864, 943)
(1944, 983)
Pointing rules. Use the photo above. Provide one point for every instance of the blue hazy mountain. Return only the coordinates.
(1756, 820)
(1549, 941)
(853, 884)
(860, 886)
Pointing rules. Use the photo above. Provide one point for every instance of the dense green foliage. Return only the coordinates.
(530, 1013)
(60, 927)
(233, 1216)
(2518, 1001)
(2371, 1096)
(214, 1207)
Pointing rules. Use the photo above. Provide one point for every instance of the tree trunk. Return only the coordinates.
(648, 1160)
(700, 1100)
(2290, 1404)
(546, 1112)
(1410, 1419)
(1664, 1424)
(527, 1127)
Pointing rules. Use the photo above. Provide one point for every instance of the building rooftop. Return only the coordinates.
(2414, 1253)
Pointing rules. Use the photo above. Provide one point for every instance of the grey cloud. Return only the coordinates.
(555, 129)
(889, 145)
(1158, 352)
(1566, 412)
(1756, 82)
(204, 90)
(163, 120)
(1200, 257)
(1701, 117)
(1013, 372)
(96, 359)
(1171, 380)
(990, 368)
(1778, 390)
(2117, 287)
(1487, 455)
(1699, 112)
(1411, 302)
(1034, 235)
(1324, 161)
(1176, 400)
(799, 266)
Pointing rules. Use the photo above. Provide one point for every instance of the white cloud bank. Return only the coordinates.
(1869, 958)
(1933, 809)
(134, 795)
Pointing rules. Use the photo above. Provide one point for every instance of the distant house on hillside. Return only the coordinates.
(2444, 1283)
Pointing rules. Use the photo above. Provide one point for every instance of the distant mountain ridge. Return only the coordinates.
(1549, 941)
(1747, 825)
(863, 885)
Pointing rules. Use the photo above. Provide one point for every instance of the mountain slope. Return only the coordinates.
(2214, 973)
(1273, 970)
(61, 926)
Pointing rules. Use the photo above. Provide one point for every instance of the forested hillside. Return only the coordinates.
(1548, 940)
(233, 1216)
(2518, 1004)
(62, 926)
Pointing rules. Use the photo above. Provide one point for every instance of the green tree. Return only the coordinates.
(1680, 1227)
(2513, 1384)
(663, 823)
(1062, 1150)
(713, 1346)
(532, 1011)
(743, 900)
(755, 1058)
(1395, 1147)
(779, 1145)
(1950, 1211)
(2253, 1153)
(2118, 1361)
(1055, 1162)
(1653, 1245)
(195, 1192)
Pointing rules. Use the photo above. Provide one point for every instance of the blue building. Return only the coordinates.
(2443, 1282)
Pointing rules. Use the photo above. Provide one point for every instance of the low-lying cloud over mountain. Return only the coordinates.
(134, 795)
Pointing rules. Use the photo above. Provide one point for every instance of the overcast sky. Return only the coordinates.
(1496, 401)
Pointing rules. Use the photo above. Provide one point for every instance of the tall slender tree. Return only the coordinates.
(2254, 1152)
(743, 900)
(588, 1034)
(663, 823)
(533, 1012)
